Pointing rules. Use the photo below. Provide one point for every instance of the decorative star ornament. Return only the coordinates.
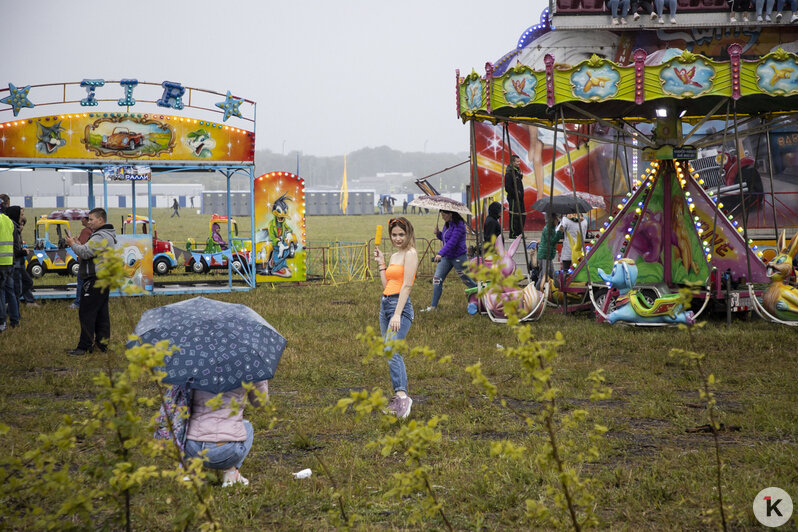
(230, 106)
(19, 98)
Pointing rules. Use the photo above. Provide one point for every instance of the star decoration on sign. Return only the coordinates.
(230, 106)
(19, 98)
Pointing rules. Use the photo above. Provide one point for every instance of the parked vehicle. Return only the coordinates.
(214, 255)
(163, 254)
(50, 238)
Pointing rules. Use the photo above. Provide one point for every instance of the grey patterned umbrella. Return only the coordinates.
(441, 203)
(221, 344)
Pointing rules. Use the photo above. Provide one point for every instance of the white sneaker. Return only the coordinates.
(636, 16)
(759, 18)
(745, 17)
(768, 19)
(623, 22)
(732, 19)
(673, 20)
(429, 309)
(661, 20)
(615, 22)
(233, 477)
(653, 15)
(778, 17)
(794, 18)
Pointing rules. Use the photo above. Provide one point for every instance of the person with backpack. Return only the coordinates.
(223, 432)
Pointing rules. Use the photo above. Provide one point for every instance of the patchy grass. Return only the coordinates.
(651, 474)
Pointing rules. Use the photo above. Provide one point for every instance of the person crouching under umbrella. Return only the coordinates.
(226, 436)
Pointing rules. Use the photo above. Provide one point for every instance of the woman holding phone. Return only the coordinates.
(396, 311)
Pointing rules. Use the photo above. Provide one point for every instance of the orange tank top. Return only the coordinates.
(394, 276)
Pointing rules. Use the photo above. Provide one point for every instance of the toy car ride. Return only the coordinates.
(163, 254)
(217, 249)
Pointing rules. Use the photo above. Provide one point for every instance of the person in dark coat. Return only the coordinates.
(95, 321)
(493, 225)
(514, 186)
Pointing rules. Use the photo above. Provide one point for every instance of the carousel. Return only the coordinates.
(664, 135)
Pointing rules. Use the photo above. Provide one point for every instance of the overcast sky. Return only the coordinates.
(329, 77)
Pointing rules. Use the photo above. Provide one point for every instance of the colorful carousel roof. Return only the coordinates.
(599, 88)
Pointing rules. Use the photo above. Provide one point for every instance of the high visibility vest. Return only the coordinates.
(6, 241)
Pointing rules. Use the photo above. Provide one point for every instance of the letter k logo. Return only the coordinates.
(772, 507)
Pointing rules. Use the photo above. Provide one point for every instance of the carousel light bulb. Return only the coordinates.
(760, 254)
(720, 205)
(739, 229)
(700, 181)
(619, 255)
(601, 230)
(627, 236)
(638, 210)
(709, 256)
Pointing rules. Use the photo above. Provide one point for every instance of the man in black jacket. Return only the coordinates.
(514, 186)
(95, 321)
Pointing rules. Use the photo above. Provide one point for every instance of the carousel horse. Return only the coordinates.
(781, 299)
(630, 305)
(529, 298)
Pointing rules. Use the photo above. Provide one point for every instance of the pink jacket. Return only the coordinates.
(207, 424)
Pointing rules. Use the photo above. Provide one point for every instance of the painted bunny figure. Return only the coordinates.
(781, 299)
(528, 297)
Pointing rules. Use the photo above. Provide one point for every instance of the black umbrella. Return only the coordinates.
(220, 344)
(562, 204)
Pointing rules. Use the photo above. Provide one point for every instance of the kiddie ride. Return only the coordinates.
(670, 230)
(218, 251)
(163, 254)
(50, 252)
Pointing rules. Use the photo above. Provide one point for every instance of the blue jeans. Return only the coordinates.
(442, 270)
(396, 366)
(614, 7)
(78, 292)
(226, 455)
(9, 303)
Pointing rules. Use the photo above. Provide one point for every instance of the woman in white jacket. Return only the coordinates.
(574, 227)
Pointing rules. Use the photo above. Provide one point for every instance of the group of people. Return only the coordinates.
(15, 283)
(739, 10)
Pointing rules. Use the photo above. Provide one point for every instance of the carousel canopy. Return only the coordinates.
(691, 85)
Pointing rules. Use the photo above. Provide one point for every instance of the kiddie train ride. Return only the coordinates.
(654, 104)
(130, 130)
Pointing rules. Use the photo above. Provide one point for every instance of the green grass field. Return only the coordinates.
(651, 475)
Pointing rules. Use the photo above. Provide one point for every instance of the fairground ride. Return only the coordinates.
(634, 113)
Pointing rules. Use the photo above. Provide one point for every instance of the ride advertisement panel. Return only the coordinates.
(132, 136)
(137, 258)
(280, 242)
(597, 171)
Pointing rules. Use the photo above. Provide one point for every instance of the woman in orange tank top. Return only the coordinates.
(396, 311)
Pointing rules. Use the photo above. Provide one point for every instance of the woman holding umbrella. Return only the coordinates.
(451, 255)
(396, 311)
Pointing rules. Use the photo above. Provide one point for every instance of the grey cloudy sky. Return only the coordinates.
(329, 77)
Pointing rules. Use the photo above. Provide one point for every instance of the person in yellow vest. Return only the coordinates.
(9, 304)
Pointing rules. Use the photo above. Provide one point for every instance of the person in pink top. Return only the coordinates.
(225, 435)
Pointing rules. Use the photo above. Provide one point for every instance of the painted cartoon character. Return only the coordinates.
(781, 299)
(631, 307)
(201, 143)
(49, 138)
(281, 242)
(132, 257)
(679, 236)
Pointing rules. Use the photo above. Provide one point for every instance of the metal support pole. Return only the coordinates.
(91, 189)
(133, 204)
(149, 205)
(252, 226)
